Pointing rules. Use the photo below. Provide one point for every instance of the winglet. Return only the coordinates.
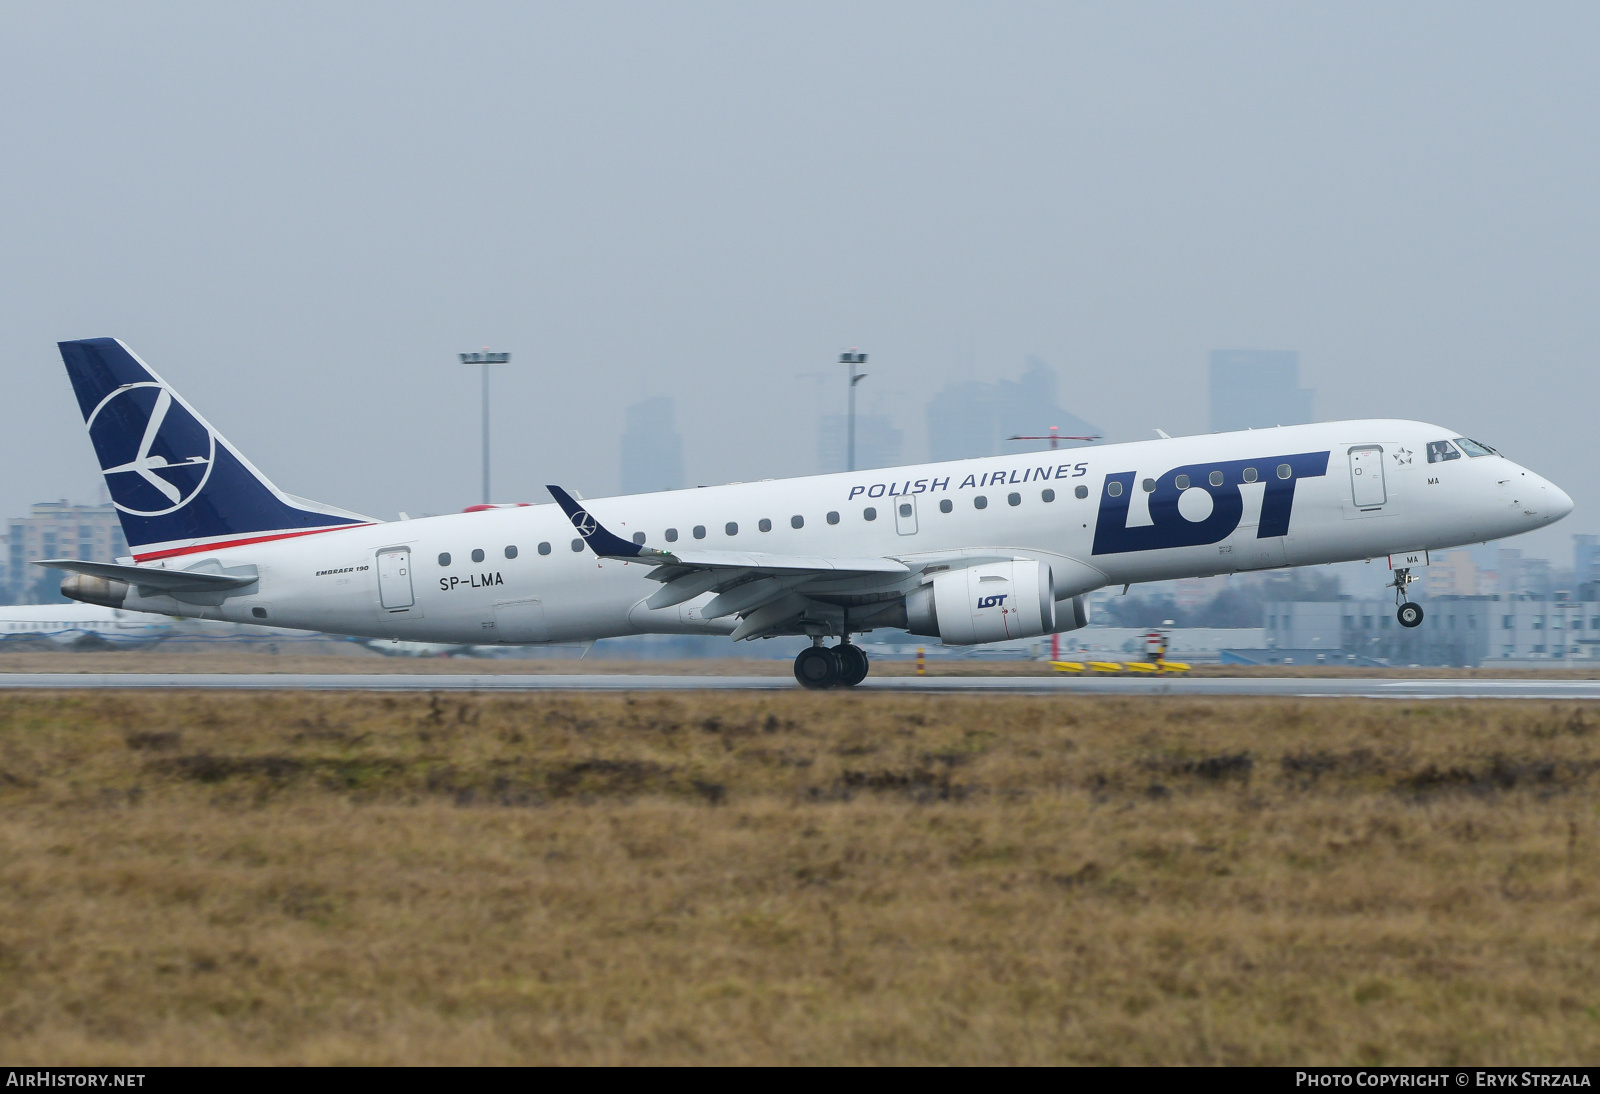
(601, 541)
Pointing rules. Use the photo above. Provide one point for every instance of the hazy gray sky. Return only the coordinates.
(299, 214)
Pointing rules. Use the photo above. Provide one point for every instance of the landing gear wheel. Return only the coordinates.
(1409, 614)
(817, 667)
(852, 665)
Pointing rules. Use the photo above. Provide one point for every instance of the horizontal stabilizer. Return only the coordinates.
(155, 578)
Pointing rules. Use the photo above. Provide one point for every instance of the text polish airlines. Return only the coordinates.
(982, 550)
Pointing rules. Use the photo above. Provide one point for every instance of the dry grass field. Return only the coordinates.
(795, 877)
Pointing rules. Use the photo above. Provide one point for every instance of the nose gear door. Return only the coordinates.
(1367, 489)
(905, 514)
(394, 579)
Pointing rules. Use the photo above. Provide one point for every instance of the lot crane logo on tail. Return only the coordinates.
(170, 461)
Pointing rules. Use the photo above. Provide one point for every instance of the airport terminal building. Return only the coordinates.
(1460, 630)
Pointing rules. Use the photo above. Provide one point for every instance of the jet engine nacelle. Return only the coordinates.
(994, 602)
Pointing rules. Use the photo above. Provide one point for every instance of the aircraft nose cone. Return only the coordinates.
(1557, 502)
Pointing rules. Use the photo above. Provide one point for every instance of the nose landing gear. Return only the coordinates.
(1409, 614)
(818, 667)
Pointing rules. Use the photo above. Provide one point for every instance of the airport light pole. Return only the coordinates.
(852, 358)
(485, 358)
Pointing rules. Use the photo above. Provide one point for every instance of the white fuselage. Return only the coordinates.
(555, 589)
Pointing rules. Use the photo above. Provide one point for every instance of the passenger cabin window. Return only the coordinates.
(577, 545)
(732, 528)
(1181, 482)
(1148, 485)
(1047, 495)
(1473, 448)
(869, 513)
(1083, 492)
(945, 506)
(544, 548)
(905, 509)
(477, 554)
(764, 524)
(1284, 471)
(511, 552)
(833, 518)
(797, 522)
(699, 531)
(1114, 489)
(1013, 499)
(1249, 474)
(980, 502)
(444, 558)
(672, 535)
(638, 537)
(1440, 451)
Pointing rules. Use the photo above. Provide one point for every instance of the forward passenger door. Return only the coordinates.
(1367, 489)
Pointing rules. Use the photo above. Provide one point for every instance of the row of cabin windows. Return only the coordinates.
(477, 553)
(869, 513)
(732, 527)
(1182, 482)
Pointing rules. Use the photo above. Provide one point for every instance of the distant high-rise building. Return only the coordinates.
(58, 529)
(971, 418)
(1519, 575)
(1452, 573)
(878, 442)
(1585, 559)
(1256, 389)
(652, 451)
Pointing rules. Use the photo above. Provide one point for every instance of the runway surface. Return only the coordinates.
(1306, 687)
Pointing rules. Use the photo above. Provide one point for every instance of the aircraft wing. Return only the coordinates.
(768, 591)
(153, 577)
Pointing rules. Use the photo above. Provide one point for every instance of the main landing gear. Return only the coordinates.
(1409, 614)
(818, 666)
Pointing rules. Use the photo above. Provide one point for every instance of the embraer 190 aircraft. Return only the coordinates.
(984, 550)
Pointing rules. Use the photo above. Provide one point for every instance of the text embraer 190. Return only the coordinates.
(984, 550)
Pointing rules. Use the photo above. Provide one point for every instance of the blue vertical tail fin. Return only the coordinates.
(178, 485)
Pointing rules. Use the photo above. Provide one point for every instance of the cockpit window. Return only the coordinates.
(1473, 448)
(1439, 451)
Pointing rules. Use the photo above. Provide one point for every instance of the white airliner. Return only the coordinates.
(983, 550)
(68, 624)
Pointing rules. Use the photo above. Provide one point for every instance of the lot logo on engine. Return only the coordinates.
(1223, 482)
(992, 601)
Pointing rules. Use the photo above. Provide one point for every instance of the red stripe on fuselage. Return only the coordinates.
(202, 547)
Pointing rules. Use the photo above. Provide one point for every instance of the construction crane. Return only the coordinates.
(1054, 437)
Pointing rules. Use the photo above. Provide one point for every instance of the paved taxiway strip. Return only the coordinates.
(1303, 687)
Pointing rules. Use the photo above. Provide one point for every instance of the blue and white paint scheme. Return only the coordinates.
(178, 486)
(974, 551)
